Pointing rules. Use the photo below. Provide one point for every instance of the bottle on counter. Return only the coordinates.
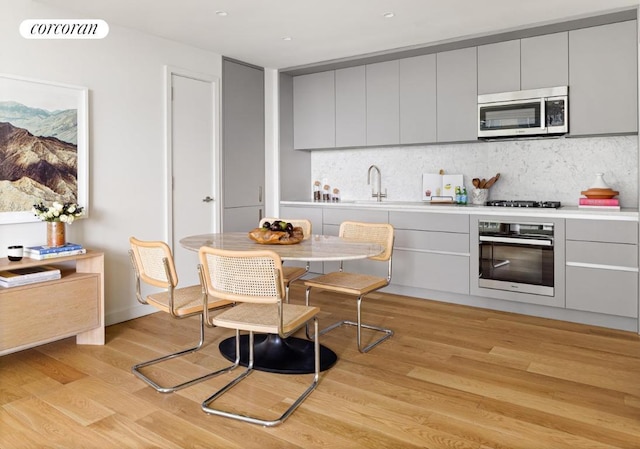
(317, 194)
(326, 193)
(458, 198)
(335, 197)
(463, 196)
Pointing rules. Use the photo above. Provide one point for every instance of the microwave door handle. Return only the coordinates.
(532, 242)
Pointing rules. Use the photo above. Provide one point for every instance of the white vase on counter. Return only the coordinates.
(599, 182)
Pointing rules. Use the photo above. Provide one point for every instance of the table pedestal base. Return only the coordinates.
(278, 355)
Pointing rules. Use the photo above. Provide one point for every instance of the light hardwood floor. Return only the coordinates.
(451, 377)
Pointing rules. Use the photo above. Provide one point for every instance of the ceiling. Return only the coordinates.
(326, 30)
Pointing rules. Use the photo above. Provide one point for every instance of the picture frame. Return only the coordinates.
(44, 140)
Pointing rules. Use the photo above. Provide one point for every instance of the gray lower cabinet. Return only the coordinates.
(242, 144)
(314, 111)
(457, 93)
(602, 267)
(383, 103)
(418, 100)
(603, 84)
(351, 107)
(431, 251)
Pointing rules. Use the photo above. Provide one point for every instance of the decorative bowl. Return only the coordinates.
(268, 237)
(600, 193)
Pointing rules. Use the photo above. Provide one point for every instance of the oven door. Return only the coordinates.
(512, 118)
(520, 264)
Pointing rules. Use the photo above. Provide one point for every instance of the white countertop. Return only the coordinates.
(624, 214)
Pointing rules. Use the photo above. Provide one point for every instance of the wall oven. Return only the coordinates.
(516, 256)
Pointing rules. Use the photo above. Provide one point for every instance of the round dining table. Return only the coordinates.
(272, 353)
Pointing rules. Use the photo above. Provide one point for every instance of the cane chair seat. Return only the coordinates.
(359, 284)
(253, 281)
(187, 301)
(153, 265)
(290, 273)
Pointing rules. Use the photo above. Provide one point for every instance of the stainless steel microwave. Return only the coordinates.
(535, 112)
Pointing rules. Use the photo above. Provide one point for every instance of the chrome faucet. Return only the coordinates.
(379, 195)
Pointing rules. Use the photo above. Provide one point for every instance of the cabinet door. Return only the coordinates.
(243, 134)
(457, 95)
(603, 69)
(314, 111)
(499, 67)
(351, 109)
(240, 219)
(544, 61)
(383, 103)
(418, 99)
(611, 292)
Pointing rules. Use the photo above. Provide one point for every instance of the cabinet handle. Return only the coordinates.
(260, 194)
(259, 215)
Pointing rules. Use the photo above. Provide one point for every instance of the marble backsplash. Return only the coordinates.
(541, 169)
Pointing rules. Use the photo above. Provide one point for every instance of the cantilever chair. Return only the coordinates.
(154, 266)
(358, 284)
(252, 280)
(291, 274)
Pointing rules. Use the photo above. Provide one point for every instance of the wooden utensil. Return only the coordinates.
(483, 183)
(475, 182)
(492, 181)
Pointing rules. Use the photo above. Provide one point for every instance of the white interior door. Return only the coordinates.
(194, 167)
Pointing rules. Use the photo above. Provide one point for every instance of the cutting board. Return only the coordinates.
(436, 185)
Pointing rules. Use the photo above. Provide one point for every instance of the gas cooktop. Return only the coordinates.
(544, 204)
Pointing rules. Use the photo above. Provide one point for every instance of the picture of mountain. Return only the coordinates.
(61, 124)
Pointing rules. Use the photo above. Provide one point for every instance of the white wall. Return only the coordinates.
(124, 75)
(541, 169)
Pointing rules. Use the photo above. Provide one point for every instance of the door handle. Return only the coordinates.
(207, 199)
(260, 194)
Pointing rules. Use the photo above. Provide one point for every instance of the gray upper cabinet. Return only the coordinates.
(499, 67)
(383, 103)
(314, 111)
(418, 99)
(457, 95)
(603, 86)
(242, 142)
(544, 61)
(351, 107)
(521, 64)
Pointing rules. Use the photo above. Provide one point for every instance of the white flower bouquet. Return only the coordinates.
(65, 213)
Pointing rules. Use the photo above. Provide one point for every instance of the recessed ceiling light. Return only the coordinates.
(222, 13)
(388, 15)
(287, 38)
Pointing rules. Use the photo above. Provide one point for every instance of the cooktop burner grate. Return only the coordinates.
(520, 203)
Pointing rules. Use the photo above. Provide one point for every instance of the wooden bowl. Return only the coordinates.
(600, 193)
(267, 237)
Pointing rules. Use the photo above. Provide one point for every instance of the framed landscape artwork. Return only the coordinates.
(43, 146)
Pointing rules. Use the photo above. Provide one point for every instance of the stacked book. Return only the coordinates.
(599, 203)
(29, 275)
(52, 252)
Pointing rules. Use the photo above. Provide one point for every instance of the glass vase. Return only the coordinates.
(56, 233)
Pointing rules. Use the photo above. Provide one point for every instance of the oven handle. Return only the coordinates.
(533, 242)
